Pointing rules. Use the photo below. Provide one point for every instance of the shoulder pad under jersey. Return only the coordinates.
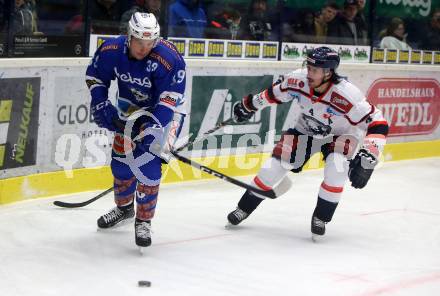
(167, 55)
(349, 99)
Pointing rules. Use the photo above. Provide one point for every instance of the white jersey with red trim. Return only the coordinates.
(341, 110)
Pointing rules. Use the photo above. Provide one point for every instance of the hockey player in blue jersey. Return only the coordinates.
(150, 75)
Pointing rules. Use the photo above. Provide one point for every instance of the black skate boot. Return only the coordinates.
(317, 228)
(324, 210)
(116, 216)
(236, 216)
(247, 204)
(142, 231)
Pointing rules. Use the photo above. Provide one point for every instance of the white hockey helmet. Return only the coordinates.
(144, 26)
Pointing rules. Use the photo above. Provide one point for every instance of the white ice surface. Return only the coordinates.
(383, 240)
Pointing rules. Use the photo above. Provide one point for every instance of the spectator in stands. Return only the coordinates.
(257, 24)
(328, 13)
(105, 16)
(22, 19)
(75, 26)
(225, 25)
(186, 19)
(345, 28)
(149, 6)
(32, 6)
(362, 20)
(2, 16)
(431, 36)
(394, 35)
(303, 29)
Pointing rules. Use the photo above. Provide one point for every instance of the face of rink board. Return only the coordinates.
(383, 239)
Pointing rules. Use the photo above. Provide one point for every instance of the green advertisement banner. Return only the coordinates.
(212, 101)
(406, 8)
(19, 103)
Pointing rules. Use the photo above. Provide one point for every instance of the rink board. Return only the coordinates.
(58, 183)
(49, 144)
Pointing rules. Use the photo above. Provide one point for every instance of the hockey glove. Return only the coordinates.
(241, 113)
(151, 138)
(361, 168)
(105, 114)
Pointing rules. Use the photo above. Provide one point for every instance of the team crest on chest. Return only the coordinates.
(140, 96)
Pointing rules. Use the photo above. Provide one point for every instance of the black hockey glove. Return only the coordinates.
(241, 113)
(361, 168)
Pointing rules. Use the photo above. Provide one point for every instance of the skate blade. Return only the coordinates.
(316, 238)
(119, 225)
(229, 225)
(142, 250)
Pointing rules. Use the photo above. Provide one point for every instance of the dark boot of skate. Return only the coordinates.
(142, 231)
(236, 216)
(116, 216)
(247, 204)
(317, 228)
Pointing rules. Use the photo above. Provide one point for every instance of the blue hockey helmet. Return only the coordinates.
(323, 57)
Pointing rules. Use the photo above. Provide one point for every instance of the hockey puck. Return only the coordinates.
(144, 283)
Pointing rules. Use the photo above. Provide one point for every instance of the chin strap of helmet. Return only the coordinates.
(325, 80)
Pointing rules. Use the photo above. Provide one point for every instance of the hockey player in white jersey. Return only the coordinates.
(335, 118)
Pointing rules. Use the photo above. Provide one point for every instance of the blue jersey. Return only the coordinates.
(155, 83)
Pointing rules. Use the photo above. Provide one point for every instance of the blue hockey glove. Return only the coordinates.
(151, 138)
(241, 113)
(361, 168)
(105, 114)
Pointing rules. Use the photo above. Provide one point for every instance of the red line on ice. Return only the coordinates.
(192, 239)
(403, 285)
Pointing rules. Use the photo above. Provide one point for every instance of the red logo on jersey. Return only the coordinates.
(410, 105)
(340, 103)
(169, 100)
(293, 82)
(327, 115)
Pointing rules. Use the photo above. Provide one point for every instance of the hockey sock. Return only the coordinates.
(324, 210)
(249, 202)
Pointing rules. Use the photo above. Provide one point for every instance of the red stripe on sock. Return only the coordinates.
(332, 188)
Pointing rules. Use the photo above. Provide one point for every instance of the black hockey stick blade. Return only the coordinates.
(63, 204)
(282, 187)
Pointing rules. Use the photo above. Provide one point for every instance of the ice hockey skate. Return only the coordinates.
(236, 217)
(317, 228)
(142, 230)
(118, 216)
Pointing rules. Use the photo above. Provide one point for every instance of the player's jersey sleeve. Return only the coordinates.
(277, 93)
(359, 111)
(169, 86)
(349, 99)
(363, 115)
(100, 71)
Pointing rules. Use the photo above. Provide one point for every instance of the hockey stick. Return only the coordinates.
(280, 189)
(81, 204)
(63, 204)
(205, 134)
